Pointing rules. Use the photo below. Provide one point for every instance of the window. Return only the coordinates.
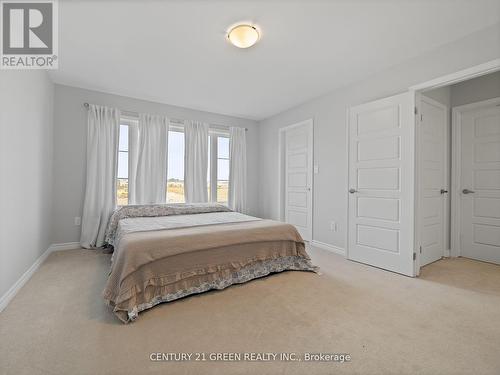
(175, 170)
(122, 176)
(218, 164)
(218, 168)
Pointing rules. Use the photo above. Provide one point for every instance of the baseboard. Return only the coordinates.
(325, 246)
(65, 246)
(10, 294)
(14, 289)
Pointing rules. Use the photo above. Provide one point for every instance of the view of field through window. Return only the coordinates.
(122, 181)
(175, 169)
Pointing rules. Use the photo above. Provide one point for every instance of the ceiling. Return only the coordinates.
(175, 52)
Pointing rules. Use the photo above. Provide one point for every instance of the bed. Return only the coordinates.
(165, 252)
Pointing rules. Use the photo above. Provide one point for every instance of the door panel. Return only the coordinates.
(432, 134)
(378, 178)
(378, 238)
(385, 148)
(488, 179)
(381, 180)
(379, 119)
(298, 169)
(298, 199)
(487, 207)
(480, 173)
(378, 208)
(297, 179)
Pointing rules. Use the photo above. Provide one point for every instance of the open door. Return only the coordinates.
(381, 184)
(432, 179)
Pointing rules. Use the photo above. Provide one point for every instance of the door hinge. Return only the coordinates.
(414, 256)
(421, 117)
(416, 110)
(420, 249)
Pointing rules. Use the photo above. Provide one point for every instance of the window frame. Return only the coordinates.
(132, 125)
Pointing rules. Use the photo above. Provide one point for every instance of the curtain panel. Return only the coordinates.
(103, 128)
(195, 162)
(237, 195)
(150, 163)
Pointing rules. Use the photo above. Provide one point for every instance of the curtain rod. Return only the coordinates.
(174, 120)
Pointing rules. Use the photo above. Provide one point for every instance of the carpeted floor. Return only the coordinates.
(445, 322)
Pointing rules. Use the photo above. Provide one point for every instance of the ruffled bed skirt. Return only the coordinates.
(155, 291)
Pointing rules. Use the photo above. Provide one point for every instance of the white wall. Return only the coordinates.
(329, 114)
(70, 134)
(26, 125)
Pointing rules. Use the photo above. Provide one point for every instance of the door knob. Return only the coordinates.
(352, 191)
(467, 191)
(443, 191)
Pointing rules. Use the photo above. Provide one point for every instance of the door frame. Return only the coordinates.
(418, 164)
(456, 169)
(446, 80)
(282, 159)
(459, 76)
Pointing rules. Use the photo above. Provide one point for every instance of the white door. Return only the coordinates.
(381, 184)
(480, 184)
(432, 179)
(298, 177)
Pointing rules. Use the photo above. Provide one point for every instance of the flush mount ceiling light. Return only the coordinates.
(243, 36)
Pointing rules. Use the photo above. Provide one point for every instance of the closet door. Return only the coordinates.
(480, 183)
(433, 181)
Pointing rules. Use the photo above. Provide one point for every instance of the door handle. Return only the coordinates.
(352, 191)
(467, 191)
(443, 191)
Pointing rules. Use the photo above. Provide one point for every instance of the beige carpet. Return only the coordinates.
(445, 322)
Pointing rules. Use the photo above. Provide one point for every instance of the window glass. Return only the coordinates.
(123, 164)
(222, 168)
(175, 171)
(123, 139)
(209, 163)
(223, 147)
(122, 180)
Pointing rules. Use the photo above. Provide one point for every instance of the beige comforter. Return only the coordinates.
(151, 267)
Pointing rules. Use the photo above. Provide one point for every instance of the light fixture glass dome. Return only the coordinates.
(243, 36)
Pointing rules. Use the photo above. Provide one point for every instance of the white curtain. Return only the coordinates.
(195, 161)
(150, 182)
(237, 195)
(103, 129)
